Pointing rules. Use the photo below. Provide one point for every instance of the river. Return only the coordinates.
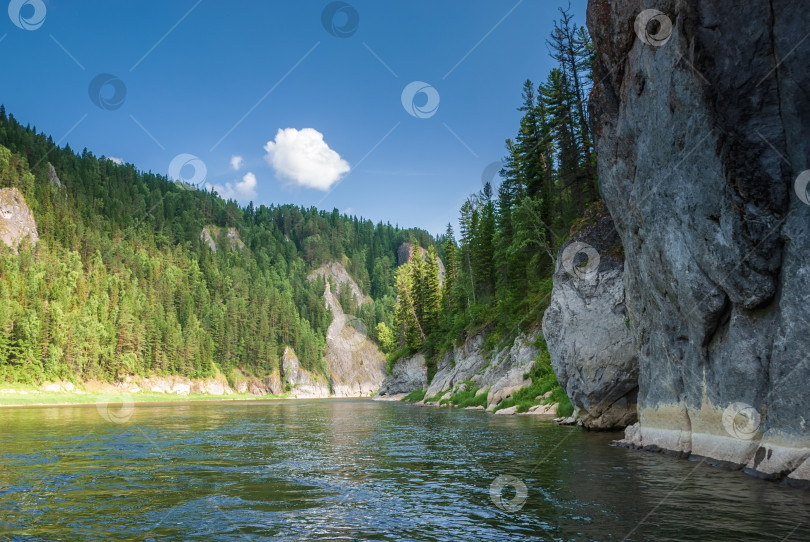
(359, 470)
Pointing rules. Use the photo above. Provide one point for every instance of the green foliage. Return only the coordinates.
(438, 397)
(465, 396)
(543, 381)
(415, 396)
(120, 281)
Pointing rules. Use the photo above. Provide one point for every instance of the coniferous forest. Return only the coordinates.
(122, 283)
(499, 268)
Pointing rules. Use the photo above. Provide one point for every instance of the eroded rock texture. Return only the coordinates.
(700, 140)
(357, 368)
(586, 328)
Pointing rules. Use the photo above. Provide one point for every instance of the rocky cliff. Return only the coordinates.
(500, 373)
(586, 327)
(301, 383)
(356, 366)
(16, 219)
(700, 111)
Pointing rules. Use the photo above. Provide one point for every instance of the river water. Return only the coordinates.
(360, 470)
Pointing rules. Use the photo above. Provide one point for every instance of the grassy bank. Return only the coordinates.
(29, 395)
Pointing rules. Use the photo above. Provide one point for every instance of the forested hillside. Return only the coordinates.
(498, 273)
(120, 281)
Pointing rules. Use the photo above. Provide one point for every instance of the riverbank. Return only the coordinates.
(20, 396)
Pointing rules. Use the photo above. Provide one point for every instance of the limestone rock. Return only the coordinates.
(701, 142)
(586, 330)
(357, 368)
(52, 176)
(16, 219)
(303, 384)
(409, 374)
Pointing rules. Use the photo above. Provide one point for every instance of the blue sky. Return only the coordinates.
(216, 79)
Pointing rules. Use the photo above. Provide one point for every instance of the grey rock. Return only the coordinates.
(409, 374)
(699, 142)
(16, 219)
(587, 334)
(53, 177)
(357, 368)
(303, 384)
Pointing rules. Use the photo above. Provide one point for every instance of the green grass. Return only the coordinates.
(26, 395)
(543, 381)
(438, 397)
(466, 398)
(415, 396)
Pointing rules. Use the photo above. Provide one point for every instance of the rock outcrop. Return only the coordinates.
(53, 177)
(356, 365)
(409, 374)
(210, 234)
(586, 328)
(700, 118)
(500, 373)
(16, 219)
(302, 384)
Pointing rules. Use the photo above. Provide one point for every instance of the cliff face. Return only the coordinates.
(700, 114)
(585, 327)
(356, 366)
(16, 219)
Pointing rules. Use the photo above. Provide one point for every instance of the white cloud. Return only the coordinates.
(244, 190)
(115, 160)
(236, 163)
(303, 157)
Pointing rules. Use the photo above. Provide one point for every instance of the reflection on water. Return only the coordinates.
(357, 469)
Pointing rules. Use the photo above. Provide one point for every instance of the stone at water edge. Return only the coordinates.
(697, 164)
(585, 326)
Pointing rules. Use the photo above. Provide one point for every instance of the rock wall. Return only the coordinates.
(16, 219)
(500, 372)
(302, 384)
(700, 114)
(409, 374)
(357, 368)
(586, 327)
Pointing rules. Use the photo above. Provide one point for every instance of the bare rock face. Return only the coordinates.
(700, 116)
(53, 177)
(357, 368)
(209, 234)
(303, 384)
(409, 374)
(586, 328)
(16, 219)
(500, 373)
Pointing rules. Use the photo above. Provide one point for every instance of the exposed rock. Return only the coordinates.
(270, 385)
(16, 219)
(52, 176)
(303, 384)
(233, 237)
(206, 237)
(507, 411)
(469, 360)
(210, 234)
(700, 141)
(500, 373)
(586, 329)
(357, 368)
(409, 374)
(541, 410)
